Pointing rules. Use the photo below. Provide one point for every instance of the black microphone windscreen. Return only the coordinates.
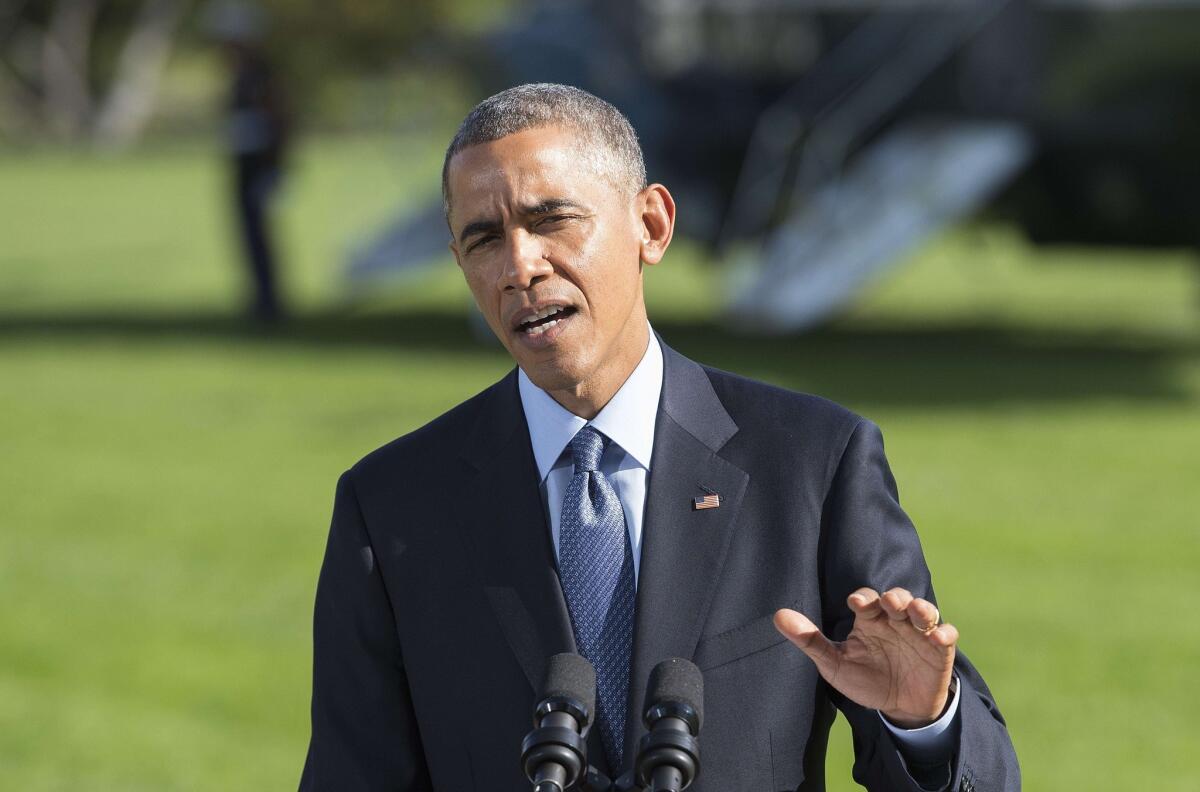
(677, 681)
(570, 676)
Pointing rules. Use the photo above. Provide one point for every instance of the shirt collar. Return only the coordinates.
(628, 419)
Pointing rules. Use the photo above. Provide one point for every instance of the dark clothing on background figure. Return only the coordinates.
(257, 136)
(439, 599)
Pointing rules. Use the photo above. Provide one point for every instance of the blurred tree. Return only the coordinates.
(84, 68)
(313, 41)
(89, 70)
(137, 68)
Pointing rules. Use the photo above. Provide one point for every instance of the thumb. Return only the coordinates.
(798, 629)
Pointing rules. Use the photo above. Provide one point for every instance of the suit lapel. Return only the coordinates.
(504, 525)
(683, 549)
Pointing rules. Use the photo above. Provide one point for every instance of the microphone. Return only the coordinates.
(668, 757)
(554, 754)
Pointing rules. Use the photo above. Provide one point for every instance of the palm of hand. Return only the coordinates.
(895, 660)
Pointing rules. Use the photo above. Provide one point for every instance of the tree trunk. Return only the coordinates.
(67, 97)
(21, 111)
(130, 100)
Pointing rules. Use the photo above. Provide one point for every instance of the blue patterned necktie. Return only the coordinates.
(595, 562)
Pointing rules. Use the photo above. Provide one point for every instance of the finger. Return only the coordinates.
(865, 604)
(945, 636)
(798, 629)
(894, 602)
(923, 614)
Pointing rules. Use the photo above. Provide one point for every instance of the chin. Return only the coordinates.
(552, 375)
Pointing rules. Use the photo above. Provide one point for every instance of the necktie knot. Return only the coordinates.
(587, 446)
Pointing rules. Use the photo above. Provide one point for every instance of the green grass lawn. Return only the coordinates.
(168, 471)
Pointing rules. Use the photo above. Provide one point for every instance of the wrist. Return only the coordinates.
(910, 721)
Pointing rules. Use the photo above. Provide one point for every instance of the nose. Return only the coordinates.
(526, 263)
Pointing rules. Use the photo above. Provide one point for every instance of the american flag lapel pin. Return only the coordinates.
(710, 500)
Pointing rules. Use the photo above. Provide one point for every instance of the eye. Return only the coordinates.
(552, 220)
(481, 241)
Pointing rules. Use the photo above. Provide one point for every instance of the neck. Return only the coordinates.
(587, 399)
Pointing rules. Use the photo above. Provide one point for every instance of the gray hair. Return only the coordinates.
(607, 136)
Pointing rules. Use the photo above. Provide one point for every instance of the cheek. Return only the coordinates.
(614, 283)
(480, 285)
(608, 268)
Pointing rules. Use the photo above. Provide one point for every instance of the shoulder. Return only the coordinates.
(760, 406)
(781, 430)
(433, 446)
(792, 439)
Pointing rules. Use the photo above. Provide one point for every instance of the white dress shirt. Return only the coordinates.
(628, 421)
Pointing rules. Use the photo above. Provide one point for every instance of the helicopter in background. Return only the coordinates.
(817, 142)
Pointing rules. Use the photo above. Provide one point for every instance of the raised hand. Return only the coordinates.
(897, 659)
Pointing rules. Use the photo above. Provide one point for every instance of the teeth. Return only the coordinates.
(539, 329)
(542, 314)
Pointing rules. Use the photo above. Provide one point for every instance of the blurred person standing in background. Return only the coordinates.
(257, 133)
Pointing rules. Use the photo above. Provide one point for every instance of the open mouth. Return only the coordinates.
(545, 319)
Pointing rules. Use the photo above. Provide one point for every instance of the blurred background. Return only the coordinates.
(223, 279)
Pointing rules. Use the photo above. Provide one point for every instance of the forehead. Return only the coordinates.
(527, 165)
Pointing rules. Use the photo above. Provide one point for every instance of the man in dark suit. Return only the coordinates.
(612, 497)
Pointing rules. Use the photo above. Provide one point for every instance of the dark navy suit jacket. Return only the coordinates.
(439, 600)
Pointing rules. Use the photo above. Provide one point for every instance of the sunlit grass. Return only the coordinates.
(168, 471)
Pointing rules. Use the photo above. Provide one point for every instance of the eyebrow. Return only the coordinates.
(547, 206)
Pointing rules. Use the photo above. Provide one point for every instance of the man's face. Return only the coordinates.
(551, 251)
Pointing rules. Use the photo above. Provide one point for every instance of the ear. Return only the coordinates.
(658, 222)
(454, 249)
